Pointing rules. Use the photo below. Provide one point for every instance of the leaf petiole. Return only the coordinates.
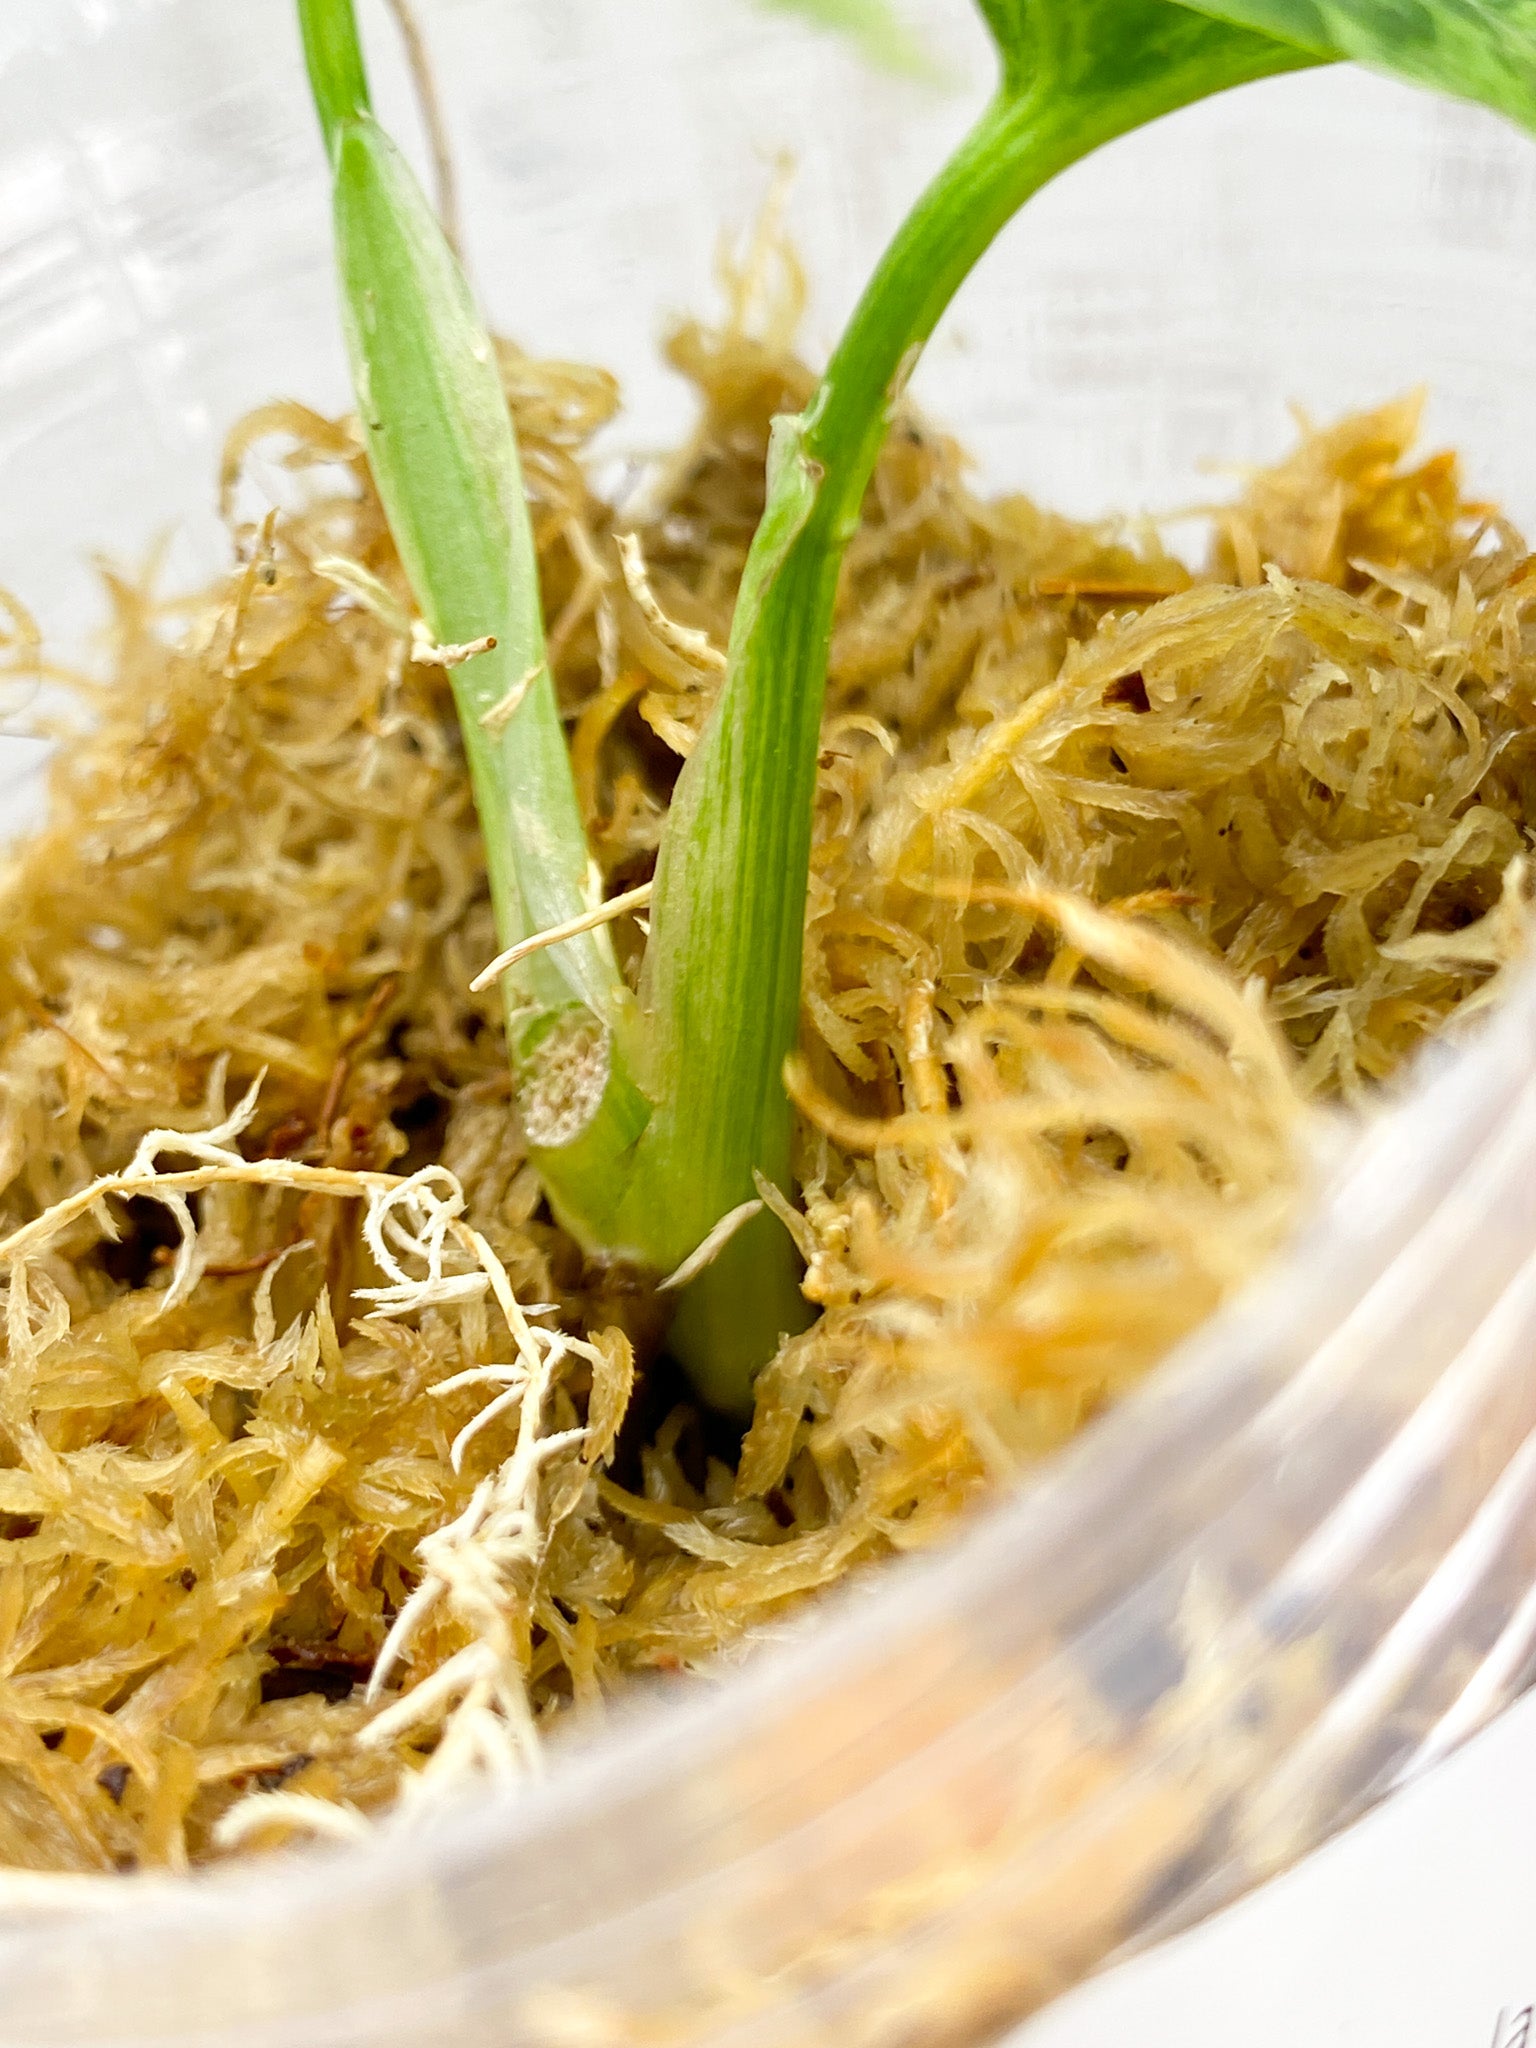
(731, 885)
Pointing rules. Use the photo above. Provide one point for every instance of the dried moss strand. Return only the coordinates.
(296, 881)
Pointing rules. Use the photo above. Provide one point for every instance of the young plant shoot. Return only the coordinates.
(594, 1079)
(1074, 74)
(651, 1120)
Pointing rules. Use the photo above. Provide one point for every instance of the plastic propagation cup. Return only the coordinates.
(1297, 1565)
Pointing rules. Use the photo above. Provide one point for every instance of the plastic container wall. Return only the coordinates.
(1299, 1564)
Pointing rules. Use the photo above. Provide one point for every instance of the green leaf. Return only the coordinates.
(721, 986)
(875, 26)
(649, 1174)
(719, 831)
(1483, 50)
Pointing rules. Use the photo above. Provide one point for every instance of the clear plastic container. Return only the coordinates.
(1295, 1568)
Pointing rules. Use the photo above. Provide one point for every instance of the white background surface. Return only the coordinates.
(1414, 1929)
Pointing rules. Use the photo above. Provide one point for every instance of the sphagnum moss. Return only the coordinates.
(340, 1506)
(1041, 1136)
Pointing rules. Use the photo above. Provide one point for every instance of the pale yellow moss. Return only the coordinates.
(1114, 864)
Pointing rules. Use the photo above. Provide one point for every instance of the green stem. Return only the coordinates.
(334, 57)
(444, 460)
(723, 967)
